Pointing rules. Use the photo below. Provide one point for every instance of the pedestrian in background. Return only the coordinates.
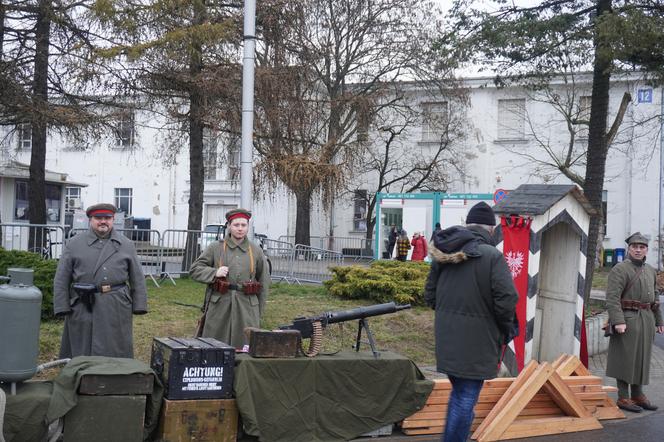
(435, 230)
(634, 313)
(238, 280)
(419, 245)
(392, 240)
(403, 246)
(471, 290)
(98, 320)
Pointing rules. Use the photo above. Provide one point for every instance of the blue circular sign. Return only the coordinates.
(499, 195)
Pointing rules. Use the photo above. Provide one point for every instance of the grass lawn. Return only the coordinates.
(409, 332)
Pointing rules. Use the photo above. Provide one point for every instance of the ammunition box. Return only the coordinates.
(273, 344)
(194, 368)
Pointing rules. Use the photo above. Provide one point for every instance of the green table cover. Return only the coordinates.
(326, 398)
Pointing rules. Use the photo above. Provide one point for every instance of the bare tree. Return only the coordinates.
(417, 146)
(347, 54)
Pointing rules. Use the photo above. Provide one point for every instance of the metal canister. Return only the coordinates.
(20, 315)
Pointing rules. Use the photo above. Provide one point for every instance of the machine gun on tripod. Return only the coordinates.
(312, 327)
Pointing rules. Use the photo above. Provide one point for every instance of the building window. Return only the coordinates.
(73, 198)
(24, 136)
(234, 160)
(362, 121)
(605, 197)
(511, 119)
(360, 211)
(53, 201)
(210, 160)
(123, 199)
(583, 116)
(434, 122)
(124, 130)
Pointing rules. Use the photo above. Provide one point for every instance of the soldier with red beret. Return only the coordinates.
(98, 320)
(238, 280)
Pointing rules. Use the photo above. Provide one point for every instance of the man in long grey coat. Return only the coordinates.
(634, 312)
(99, 321)
(226, 266)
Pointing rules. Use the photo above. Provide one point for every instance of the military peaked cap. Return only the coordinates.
(637, 238)
(238, 213)
(101, 209)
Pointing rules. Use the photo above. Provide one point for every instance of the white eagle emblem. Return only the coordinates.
(514, 262)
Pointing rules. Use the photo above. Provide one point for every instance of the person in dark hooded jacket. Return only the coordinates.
(471, 289)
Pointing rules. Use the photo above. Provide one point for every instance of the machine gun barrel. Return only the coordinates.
(305, 325)
(364, 312)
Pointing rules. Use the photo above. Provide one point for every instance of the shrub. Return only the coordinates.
(382, 281)
(44, 273)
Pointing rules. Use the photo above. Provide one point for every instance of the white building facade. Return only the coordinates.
(509, 131)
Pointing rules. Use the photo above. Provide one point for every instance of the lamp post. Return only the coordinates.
(246, 154)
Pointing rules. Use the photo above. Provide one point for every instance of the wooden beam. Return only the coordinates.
(556, 425)
(527, 385)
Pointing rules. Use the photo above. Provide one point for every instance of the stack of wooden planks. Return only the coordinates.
(544, 399)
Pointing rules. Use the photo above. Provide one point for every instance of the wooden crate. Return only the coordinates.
(201, 420)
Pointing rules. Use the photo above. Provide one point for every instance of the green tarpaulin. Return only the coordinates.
(326, 398)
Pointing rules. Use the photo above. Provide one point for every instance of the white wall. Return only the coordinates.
(161, 191)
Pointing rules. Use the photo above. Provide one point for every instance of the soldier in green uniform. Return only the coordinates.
(632, 301)
(98, 322)
(238, 280)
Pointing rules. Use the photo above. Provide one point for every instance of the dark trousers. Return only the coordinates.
(390, 248)
(460, 414)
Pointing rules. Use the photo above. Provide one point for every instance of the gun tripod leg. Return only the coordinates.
(363, 323)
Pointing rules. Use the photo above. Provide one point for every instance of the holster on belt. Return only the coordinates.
(251, 287)
(221, 285)
(86, 293)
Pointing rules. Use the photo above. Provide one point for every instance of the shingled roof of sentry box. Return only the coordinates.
(536, 199)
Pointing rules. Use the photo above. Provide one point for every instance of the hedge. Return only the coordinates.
(383, 281)
(44, 273)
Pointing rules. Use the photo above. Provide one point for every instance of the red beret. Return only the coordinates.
(237, 213)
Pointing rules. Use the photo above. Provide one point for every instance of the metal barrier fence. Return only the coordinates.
(173, 252)
(311, 264)
(44, 239)
(349, 247)
(280, 255)
(180, 248)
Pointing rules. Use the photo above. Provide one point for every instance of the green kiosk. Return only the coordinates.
(419, 212)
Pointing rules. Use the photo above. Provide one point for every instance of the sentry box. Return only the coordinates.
(194, 368)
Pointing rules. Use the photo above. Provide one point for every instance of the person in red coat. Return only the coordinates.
(419, 245)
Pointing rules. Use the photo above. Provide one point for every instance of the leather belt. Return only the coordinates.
(105, 288)
(636, 305)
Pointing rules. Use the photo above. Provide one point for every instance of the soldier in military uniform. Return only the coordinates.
(98, 319)
(635, 314)
(238, 280)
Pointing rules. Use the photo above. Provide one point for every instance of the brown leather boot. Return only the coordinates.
(643, 402)
(629, 405)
